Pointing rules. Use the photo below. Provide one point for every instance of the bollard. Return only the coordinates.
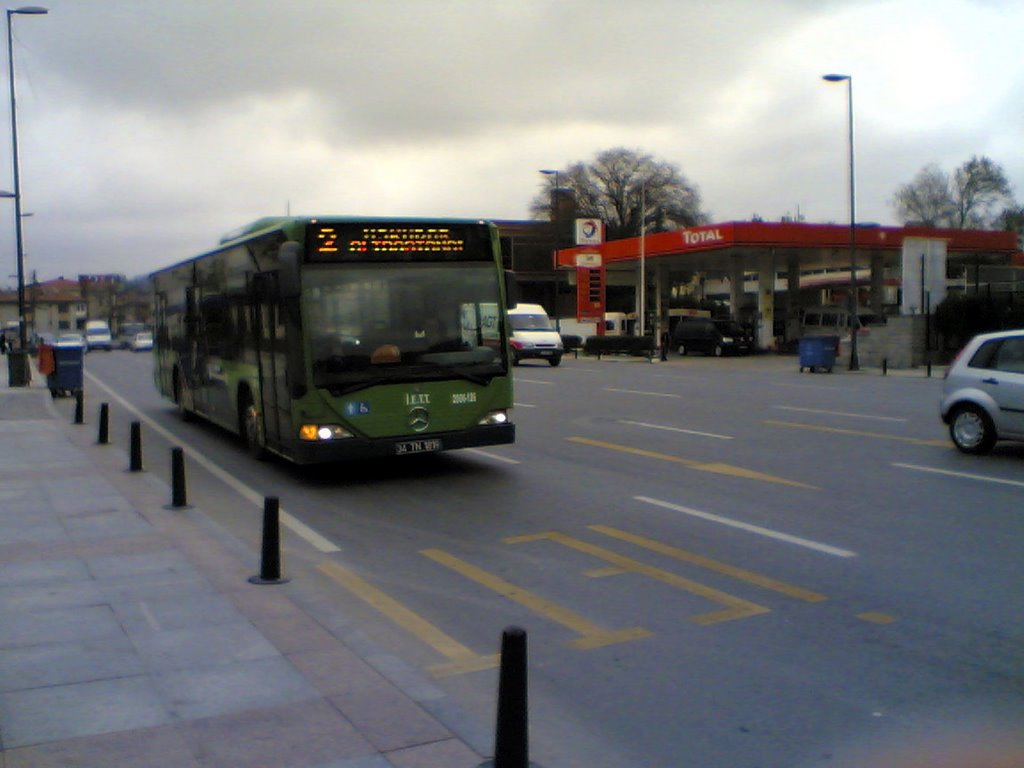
(79, 407)
(103, 438)
(178, 496)
(135, 460)
(270, 558)
(511, 737)
(929, 369)
(885, 365)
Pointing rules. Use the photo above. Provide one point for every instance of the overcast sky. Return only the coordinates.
(149, 128)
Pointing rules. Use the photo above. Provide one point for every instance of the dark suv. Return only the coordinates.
(712, 337)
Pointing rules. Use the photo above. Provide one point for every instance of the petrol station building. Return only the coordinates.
(770, 273)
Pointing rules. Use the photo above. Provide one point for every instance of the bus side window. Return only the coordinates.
(216, 321)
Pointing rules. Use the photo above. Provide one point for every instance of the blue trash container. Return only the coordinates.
(818, 353)
(69, 369)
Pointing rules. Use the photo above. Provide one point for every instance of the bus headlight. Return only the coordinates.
(321, 432)
(494, 418)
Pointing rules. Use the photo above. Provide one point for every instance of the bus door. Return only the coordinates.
(272, 343)
(164, 368)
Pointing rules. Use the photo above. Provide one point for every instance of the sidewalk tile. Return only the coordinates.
(291, 736)
(160, 747)
(40, 715)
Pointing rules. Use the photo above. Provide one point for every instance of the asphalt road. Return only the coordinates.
(718, 562)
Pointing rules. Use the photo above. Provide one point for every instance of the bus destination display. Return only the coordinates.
(386, 242)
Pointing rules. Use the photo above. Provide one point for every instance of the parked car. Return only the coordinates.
(141, 341)
(983, 392)
(712, 337)
(70, 339)
(127, 333)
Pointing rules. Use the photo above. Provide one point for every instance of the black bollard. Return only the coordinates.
(270, 558)
(135, 460)
(179, 498)
(79, 407)
(103, 438)
(511, 738)
(885, 365)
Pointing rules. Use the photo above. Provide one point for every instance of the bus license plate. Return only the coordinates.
(417, 446)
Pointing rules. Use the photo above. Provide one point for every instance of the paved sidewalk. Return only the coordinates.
(130, 635)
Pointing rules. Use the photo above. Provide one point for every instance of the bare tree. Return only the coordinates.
(979, 185)
(623, 188)
(1012, 219)
(965, 199)
(926, 200)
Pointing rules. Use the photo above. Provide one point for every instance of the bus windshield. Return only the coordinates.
(401, 322)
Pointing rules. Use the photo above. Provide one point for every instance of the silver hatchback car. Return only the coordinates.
(983, 394)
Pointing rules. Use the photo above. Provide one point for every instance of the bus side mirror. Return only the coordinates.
(288, 283)
(511, 289)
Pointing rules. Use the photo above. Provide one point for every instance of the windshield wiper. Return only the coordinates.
(459, 372)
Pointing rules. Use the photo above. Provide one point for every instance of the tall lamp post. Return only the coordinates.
(854, 322)
(554, 201)
(556, 221)
(643, 257)
(29, 10)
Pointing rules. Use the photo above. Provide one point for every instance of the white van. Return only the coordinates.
(97, 335)
(832, 320)
(533, 335)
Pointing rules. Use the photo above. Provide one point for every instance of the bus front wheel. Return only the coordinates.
(252, 427)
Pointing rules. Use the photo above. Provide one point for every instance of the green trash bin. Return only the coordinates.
(18, 372)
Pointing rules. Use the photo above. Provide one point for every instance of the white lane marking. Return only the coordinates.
(533, 381)
(641, 392)
(838, 413)
(494, 456)
(524, 405)
(967, 475)
(787, 385)
(296, 526)
(675, 429)
(768, 532)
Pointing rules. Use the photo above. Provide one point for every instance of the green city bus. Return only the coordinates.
(325, 339)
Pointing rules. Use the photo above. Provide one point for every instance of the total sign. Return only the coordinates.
(589, 232)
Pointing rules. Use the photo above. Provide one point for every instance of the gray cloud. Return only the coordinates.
(149, 128)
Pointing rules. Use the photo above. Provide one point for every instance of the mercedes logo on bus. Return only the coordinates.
(419, 419)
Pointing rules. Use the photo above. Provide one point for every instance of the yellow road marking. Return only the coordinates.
(876, 618)
(706, 562)
(716, 467)
(600, 573)
(857, 432)
(736, 608)
(460, 658)
(590, 635)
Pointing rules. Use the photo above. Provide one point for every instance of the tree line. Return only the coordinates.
(632, 191)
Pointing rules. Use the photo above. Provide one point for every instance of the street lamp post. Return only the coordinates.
(30, 10)
(554, 201)
(643, 258)
(556, 220)
(854, 322)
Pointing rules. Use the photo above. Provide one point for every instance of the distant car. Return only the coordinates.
(141, 341)
(712, 337)
(983, 392)
(70, 339)
(127, 332)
